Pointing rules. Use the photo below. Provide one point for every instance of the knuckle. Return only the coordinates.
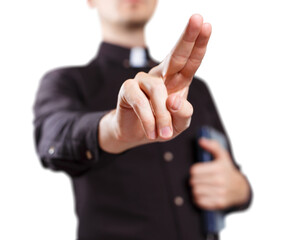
(189, 111)
(186, 114)
(220, 203)
(140, 75)
(128, 84)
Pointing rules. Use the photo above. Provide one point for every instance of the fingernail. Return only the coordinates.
(176, 103)
(165, 132)
(152, 135)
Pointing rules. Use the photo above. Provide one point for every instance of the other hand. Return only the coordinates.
(218, 184)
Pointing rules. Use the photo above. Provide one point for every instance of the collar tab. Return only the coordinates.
(137, 57)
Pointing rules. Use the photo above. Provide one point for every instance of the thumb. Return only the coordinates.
(213, 147)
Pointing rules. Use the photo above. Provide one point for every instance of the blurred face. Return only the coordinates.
(125, 12)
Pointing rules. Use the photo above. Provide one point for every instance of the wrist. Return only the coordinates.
(107, 134)
(110, 136)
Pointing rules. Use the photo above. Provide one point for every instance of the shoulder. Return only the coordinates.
(62, 73)
(70, 76)
(59, 82)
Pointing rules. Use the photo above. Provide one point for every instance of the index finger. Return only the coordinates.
(197, 53)
(179, 56)
(183, 49)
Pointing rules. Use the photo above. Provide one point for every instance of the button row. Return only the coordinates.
(168, 157)
(88, 153)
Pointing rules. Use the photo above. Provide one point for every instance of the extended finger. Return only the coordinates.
(206, 179)
(182, 50)
(156, 91)
(198, 52)
(131, 96)
(203, 169)
(206, 191)
(178, 57)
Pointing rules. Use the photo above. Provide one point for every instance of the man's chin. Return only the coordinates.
(133, 2)
(132, 23)
(135, 24)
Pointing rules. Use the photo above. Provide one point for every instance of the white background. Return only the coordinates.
(251, 66)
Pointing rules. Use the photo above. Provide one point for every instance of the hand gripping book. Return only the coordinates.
(213, 220)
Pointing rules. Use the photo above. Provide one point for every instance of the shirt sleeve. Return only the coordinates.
(66, 134)
(217, 123)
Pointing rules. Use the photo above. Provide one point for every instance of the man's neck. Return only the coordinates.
(123, 35)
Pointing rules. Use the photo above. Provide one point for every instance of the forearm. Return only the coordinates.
(67, 140)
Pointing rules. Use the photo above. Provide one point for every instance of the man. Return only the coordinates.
(122, 128)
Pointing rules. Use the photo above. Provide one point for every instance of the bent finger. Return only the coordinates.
(181, 111)
(131, 96)
(156, 91)
(202, 169)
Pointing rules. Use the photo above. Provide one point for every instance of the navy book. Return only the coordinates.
(213, 220)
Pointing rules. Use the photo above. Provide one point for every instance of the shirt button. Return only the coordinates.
(168, 156)
(178, 201)
(51, 150)
(88, 155)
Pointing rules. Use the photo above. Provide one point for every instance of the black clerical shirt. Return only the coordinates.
(142, 193)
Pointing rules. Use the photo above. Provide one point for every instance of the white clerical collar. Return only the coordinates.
(138, 57)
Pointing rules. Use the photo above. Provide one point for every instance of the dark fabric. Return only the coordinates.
(118, 196)
(212, 237)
